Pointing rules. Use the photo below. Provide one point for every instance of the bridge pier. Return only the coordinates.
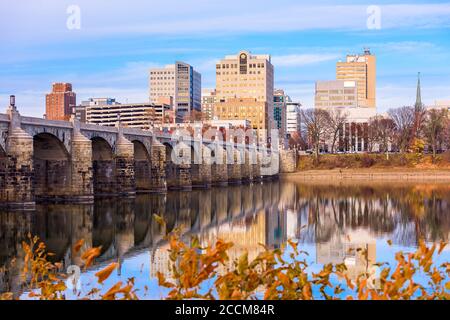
(246, 166)
(206, 167)
(288, 161)
(17, 188)
(201, 167)
(234, 167)
(158, 168)
(178, 167)
(124, 158)
(270, 164)
(82, 176)
(256, 166)
(219, 167)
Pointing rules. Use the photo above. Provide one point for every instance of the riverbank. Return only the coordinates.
(406, 161)
(371, 174)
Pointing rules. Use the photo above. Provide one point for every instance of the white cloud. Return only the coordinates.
(404, 46)
(46, 20)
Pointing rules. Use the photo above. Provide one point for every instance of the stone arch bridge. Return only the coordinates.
(71, 161)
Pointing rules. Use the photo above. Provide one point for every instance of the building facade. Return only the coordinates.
(245, 109)
(362, 70)
(208, 101)
(60, 102)
(279, 111)
(292, 118)
(179, 83)
(246, 80)
(138, 115)
(336, 94)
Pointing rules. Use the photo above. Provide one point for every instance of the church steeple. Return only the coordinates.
(419, 105)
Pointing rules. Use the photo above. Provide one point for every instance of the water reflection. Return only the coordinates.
(335, 224)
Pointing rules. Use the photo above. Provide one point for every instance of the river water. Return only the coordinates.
(329, 220)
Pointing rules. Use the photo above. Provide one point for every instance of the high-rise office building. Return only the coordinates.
(362, 70)
(208, 101)
(245, 85)
(60, 102)
(181, 84)
(279, 110)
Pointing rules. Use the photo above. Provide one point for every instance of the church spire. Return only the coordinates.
(419, 105)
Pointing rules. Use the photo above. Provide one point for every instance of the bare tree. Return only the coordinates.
(336, 121)
(385, 134)
(193, 116)
(381, 132)
(434, 128)
(296, 141)
(315, 125)
(446, 135)
(372, 132)
(404, 121)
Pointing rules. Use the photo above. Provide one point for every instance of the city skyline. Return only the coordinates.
(104, 58)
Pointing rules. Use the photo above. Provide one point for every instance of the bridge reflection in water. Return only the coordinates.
(331, 222)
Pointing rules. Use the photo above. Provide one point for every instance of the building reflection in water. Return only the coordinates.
(338, 220)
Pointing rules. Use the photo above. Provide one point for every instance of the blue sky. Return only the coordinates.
(120, 40)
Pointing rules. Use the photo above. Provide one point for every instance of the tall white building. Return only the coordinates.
(279, 111)
(178, 84)
(292, 117)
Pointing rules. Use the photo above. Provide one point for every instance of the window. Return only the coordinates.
(243, 63)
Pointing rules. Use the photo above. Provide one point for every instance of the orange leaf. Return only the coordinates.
(78, 245)
(104, 274)
(89, 256)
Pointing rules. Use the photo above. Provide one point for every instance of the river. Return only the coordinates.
(329, 221)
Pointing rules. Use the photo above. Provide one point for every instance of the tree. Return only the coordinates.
(372, 132)
(193, 116)
(296, 141)
(434, 128)
(315, 125)
(381, 132)
(446, 135)
(404, 120)
(336, 121)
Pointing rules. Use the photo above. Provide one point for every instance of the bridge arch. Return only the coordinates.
(103, 167)
(142, 166)
(52, 167)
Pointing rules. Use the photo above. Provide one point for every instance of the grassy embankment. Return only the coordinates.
(375, 161)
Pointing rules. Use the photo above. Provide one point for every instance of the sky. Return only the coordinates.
(107, 49)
